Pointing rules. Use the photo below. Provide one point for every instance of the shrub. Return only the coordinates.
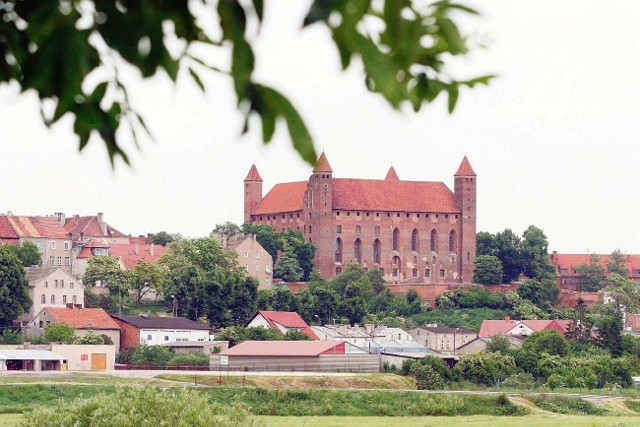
(189, 359)
(145, 355)
(144, 406)
(90, 338)
(521, 381)
(59, 332)
(406, 366)
(485, 368)
(427, 378)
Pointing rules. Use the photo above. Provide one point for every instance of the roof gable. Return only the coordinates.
(36, 274)
(83, 318)
(288, 319)
(286, 197)
(465, 168)
(253, 174)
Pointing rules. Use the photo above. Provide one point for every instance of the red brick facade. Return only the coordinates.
(129, 334)
(415, 231)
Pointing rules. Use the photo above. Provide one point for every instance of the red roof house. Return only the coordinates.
(284, 321)
(507, 326)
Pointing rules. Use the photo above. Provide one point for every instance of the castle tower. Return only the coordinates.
(317, 215)
(465, 192)
(252, 192)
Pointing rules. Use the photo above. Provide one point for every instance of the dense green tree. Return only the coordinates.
(327, 303)
(610, 327)
(625, 292)
(244, 302)
(303, 251)
(59, 332)
(617, 263)
(283, 300)
(287, 267)
(106, 270)
(485, 244)
(487, 270)
(265, 300)
(46, 42)
(539, 292)
(226, 230)
(163, 238)
(548, 341)
(14, 289)
(10, 336)
(498, 344)
(29, 254)
(144, 278)
(592, 274)
(535, 255)
(485, 368)
(508, 252)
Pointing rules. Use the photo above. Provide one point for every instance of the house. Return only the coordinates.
(567, 276)
(143, 330)
(128, 254)
(296, 356)
(443, 339)
(51, 287)
(415, 231)
(83, 320)
(91, 227)
(284, 321)
(255, 260)
(46, 232)
(480, 344)
(525, 328)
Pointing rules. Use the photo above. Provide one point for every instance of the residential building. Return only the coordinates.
(415, 231)
(83, 320)
(480, 344)
(51, 287)
(143, 330)
(284, 321)
(128, 253)
(568, 277)
(255, 260)
(91, 227)
(443, 339)
(523, 328)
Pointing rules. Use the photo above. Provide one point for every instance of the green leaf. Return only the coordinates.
(479, 80)
(98, 92)
(258, 5)
(452, 36)
(320, 10)
(196, 78)
(452, 89)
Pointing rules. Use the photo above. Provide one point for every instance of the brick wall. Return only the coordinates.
(129, 335)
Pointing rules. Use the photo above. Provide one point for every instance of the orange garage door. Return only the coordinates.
(99, 361)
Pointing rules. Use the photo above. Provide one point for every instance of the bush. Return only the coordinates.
(11, 337)
(566, 405)
(427, 378)
(145, 355)
(90, 338)
(189, 359)
(520, 381)
(144, 406)
(485, 368)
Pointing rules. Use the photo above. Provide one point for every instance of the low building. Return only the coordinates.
(86, 357)
(525, 327)
(443, 339)
(83, 320)
(568, 274)
(284, 321)
(480, 344)
(370, 337)
(30, 360)
(296, 356)
(51, 287)
(143, 330)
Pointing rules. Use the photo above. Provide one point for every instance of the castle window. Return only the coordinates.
(367, 213)
(338, 229)
(358, 229)
(415, 260)
(433, 260)
(339, 250)
(376, 251)
(453, 242)
(427, 272)
(348, 213)
(427, 215)
(415, 240)
(309, 229)
(377, 213)
(396, 239)
(357, 213)
(417, 215)
(376, 230)
(398, 215)
(395, 260)
(408, 215)
(441, 273)
(468, 256)
(437, 215)
(357, 250)
(415, 272)
(446, 216)
(338, 270)
(434, 241)
(388, 214)
(456, 216)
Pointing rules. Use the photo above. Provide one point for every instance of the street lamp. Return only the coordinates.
(454, 340)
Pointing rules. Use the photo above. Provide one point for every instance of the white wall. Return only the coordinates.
(163, 336)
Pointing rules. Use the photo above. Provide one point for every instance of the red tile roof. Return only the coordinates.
(465, 168)
(127, 251)
(286, 197)
(632, 321)
(490, 328)
(285, 348)
(323, 164)
(85, 253)
(392, 175)
(289, 319)
(83, 318)
(571, 261)
(253, 174)
(89, 226)
(6, 230)
(37, 226)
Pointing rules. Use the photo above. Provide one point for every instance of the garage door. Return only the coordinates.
(99, 361)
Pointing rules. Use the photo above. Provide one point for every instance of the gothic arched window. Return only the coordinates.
(376, 251)
(453, 242)
(339, 250)
(357, 250)
(434, 241)
(396, 239)
(415, 240)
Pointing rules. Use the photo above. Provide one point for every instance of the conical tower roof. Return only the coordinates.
(392, 175)
(323, 164)
(253, 174)
(465, 168)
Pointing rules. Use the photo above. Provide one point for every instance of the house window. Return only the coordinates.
(339, 250)
(434, 241)
(43, 299)
(67, 260)
(257, 256)
(70, 285)
(64, 299)
(52, 260)
(357, 250)
(55, 283)
(53, 299)
(149, 338)
(246, 254)
(376, 251)
(52, 245)
(46, 284)
(41, 324)
(60, 261)
(396, 239)
(376, 230)
(166, 337)
(358, 229)
(415, 272)
(257, 267)
(415, 241)
(66, 246)
(246, 268)
(62, 283)
(338, 229)
(453, 242)
(338, 270)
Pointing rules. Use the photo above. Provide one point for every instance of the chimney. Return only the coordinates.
(368, 328)
(151, 249)
(554, 256)
(102, 224)
(60, 217)
(507, 318)
(136, 248)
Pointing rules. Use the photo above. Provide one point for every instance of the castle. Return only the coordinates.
(415, 231)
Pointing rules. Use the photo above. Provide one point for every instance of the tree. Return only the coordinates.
(550, 341)
(610, 329)
(539, 293)
(14, 289)
(508, 251)
(90, 339)
(303, 251)
(142, 406)
(592, 274)
(487, 270)
(498, 344)
(266, 236)
(485, 244)
(59, 332)
(535, 255)
(625, 292)
(616, 263)
(226, 230)
(106, 270)
(163, 238)
(287, 267)
(46, 42)
(145, 277)
(29, 254)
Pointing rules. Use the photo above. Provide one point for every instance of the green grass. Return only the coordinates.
(634, 405)
(16, 399)
(566, 405)
(462, 421)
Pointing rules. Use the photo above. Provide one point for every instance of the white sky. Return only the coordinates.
(554, 140)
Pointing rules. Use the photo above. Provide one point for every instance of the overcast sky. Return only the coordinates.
(554, 140)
